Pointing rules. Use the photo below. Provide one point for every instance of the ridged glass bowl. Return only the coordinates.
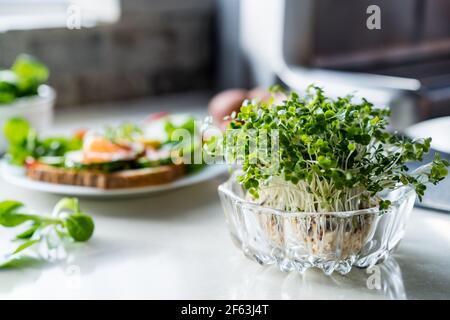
(333, 241)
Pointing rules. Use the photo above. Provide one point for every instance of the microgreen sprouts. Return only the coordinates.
(334, 154)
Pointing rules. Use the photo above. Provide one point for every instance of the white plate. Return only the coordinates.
(16, 175)
(438, 129)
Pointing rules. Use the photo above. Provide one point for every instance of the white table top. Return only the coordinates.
(175, 245)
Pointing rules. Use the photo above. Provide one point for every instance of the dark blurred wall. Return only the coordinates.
(157, 47)
(405, 24)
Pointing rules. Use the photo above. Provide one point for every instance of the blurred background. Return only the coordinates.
(112, 50)
(122, 50)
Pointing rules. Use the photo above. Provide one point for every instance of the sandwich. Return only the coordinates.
(125, 156)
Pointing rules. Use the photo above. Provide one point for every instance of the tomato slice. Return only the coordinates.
(80, 133)
(30, 162)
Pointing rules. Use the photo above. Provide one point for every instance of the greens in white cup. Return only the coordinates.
(23, 93)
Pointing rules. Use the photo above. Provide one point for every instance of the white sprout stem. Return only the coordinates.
(316, 196)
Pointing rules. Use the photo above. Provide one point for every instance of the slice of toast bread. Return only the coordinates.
(115, 180)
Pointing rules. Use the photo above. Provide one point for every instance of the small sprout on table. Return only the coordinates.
(67, 221)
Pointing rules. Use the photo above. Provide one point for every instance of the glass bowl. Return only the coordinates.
(332, 241)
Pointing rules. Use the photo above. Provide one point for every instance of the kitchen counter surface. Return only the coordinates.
(175, 245)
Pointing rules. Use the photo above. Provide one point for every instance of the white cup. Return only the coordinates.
(38, 110)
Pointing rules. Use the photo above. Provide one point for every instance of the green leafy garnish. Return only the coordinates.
(127, 131)
(185, 148)
(333, 154)
(23, 79)
(24, 142)
(188, 124)
(66, 222)
(8, 85)
(79, 225)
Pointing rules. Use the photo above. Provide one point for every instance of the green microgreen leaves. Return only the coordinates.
(337, 150)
